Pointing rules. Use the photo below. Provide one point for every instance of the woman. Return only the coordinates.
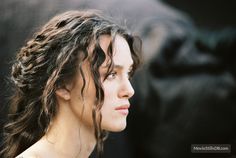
(71, 86)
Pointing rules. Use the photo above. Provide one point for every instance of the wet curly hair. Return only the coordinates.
(50, 59)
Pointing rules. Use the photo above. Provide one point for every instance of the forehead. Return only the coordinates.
(121, 49)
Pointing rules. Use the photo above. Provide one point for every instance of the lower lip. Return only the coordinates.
(123, 111)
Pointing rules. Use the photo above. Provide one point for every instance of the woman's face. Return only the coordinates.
(117, 88)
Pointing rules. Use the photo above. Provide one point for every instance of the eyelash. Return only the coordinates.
(113, 74)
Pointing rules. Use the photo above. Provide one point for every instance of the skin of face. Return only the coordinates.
(117, 88)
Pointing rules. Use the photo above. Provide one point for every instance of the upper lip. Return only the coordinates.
(126, 106)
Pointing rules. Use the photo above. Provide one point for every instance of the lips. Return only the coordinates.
(123, 109)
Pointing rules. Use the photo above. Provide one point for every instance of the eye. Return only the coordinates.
(112, 75)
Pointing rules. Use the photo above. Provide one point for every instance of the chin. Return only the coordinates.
(116, 127)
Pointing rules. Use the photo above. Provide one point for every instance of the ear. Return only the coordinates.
(63, 93)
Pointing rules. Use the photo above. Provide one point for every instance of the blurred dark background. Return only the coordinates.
(210, 14)
(186, 89)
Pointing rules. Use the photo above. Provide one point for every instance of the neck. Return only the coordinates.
(68, 136)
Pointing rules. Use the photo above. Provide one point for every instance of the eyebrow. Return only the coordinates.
(117, 66)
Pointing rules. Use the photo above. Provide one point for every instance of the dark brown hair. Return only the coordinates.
(49, 60)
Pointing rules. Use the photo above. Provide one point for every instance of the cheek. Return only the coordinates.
(109, 98)
(110, 95)
(110, 90)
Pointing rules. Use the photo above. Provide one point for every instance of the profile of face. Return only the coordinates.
(117, 88)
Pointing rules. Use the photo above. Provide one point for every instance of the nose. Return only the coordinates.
(126, 89)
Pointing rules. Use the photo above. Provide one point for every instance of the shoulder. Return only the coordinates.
(37, 150)
(33, 151)
(26, 157)
(28, 154)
